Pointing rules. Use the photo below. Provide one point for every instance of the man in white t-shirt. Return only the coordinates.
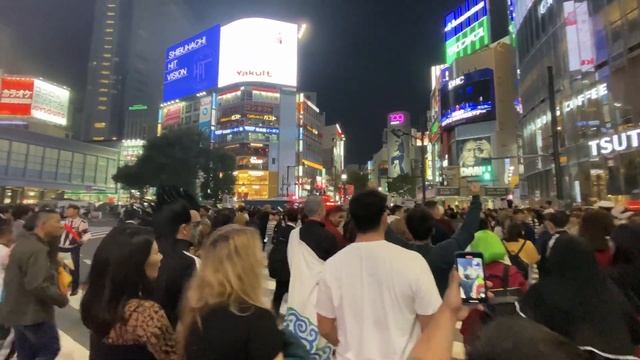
(374, 297)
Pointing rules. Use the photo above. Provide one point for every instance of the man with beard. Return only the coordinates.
(31, 289)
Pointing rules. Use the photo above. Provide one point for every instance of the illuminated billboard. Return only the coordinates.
(580, 42)
(171, 115)
(259, 50)
(191, 66)
(24, 96)
(50, 102)
(466, 29)
(16, 96)
(398, 118)
(468, 98)
(473, 155)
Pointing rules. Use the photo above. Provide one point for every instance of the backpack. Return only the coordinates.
(517, 261)
(503, 302)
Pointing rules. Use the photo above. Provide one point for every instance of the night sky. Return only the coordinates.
(363, 58)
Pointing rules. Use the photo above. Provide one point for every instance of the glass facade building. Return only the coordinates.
(592, 47)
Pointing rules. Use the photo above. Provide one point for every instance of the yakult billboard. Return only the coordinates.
(260, 50)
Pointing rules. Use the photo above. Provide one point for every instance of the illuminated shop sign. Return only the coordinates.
(470, 101)
(594, 93)
(617, 142)
(397, 118)
(256, 129)
(467, 14)
(544, 6)
(455, 82)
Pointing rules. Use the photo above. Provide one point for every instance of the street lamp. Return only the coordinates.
(343, 177)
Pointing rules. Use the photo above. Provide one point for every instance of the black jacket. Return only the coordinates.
(278, 261)
(441, 257)
(319, 239)
(175, 272)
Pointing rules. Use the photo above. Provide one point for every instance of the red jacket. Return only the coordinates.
(604, 258)
(334, 230)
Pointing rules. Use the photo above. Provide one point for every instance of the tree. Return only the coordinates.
(358, 179)
(217, 174)
(404, 185)
(175, 159)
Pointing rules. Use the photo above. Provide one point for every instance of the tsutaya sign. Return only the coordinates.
(618, 142)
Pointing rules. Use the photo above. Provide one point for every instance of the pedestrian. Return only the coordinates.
(520, 216)
(224, 217)
(241, 217)
(625, 266)
(442, 224)
(76, 233)
(278, 261)
(31, 289)
(395, 212)
(223, 315)
(7, 240)
(596, 227)
(555, 224)
(399, 227)
(19, 214)
(334, 220)
(518, 247)
(175, 226)
(205, 211)
(575, 219)
(374, 297)
(309, 247)
(505, 338)
(575, 299)
(440, 257)
(271, 225)
(497, 270)
(117, 307)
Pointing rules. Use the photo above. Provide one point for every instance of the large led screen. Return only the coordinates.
(468, 98)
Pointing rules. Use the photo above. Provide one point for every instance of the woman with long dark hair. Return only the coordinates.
(596, 227)
(576, 299)
(117, 307)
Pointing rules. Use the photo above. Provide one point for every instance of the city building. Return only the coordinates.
(104, 107)
(591, 47)
(473, 122)
(247, 104)
(333, 143)
(38, 160)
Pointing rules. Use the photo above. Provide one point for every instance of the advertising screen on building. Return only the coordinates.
(468, 98)
(191, 66)
(466, 29)
(16, 96)
(50, 102)
(171, 115)
(580, 42)
(260, 50)
(473, 154)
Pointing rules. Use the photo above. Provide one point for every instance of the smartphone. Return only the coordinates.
(470, 267)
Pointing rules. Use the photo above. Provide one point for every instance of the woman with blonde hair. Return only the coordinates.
(223, 315)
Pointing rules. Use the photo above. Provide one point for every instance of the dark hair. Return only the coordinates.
(350, 231)
(394, 209)
(129, 214)
(626, 238)
(292, 214)
(222, 217)
(420, 223)
(167, 222)
(595, 227)
(514, 232)
(513, 337)
(518, 212)
(205, 207)
(117, 275)
(367, 209)
(241, 208)
(73, 206)
(559, 219)
(483, 224)
(20, 211)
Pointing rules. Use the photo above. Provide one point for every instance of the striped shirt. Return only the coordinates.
(81, 228)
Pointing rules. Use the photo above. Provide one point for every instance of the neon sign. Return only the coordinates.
(257, 129)
(618, 142)
(593, 94)
(396, 118)
(463, 17)
(455, 82)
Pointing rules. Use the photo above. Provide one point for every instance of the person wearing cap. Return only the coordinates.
(76, 233)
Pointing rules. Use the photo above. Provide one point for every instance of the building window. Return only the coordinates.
(18, 159)
(105, 72)
(100, 125)
(77, 168)
(111, 13)
(108, 30)
(108, 46)
(90, 169)
(64, 166)
(105, 63)
(103, 98)
(109, 21)
(108, 38)
(102, 90)
(101, 107)
(111, 5)
(50, 164)
(34, 161)
(106, 55)
(4, 155)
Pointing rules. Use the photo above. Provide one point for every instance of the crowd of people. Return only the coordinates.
(367, 282)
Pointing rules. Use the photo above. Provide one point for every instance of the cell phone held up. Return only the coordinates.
(470, 268)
